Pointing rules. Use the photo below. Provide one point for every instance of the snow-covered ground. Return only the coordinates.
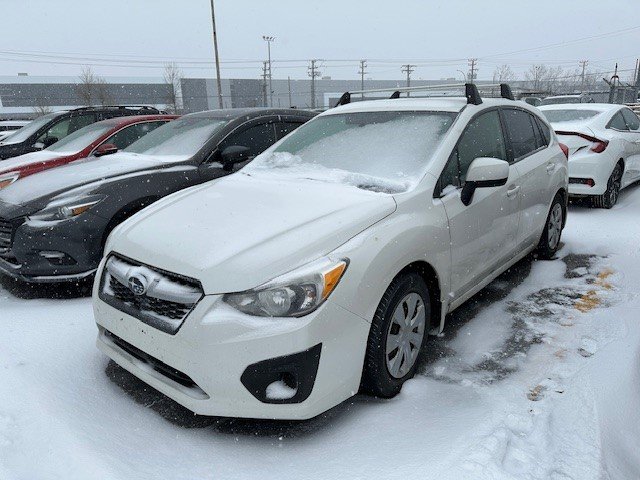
(536, 378)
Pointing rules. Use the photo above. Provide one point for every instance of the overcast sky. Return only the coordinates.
(135, 37)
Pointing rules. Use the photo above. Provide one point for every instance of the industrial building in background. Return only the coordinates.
(26, 97)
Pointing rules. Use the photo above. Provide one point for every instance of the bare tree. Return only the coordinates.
(173, 81)
(41, 108)
(102, 92)
(85, 89)
(503, 74)
(535, 76)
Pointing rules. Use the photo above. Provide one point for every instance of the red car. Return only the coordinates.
(97, 139)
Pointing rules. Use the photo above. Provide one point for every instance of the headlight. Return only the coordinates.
(293, 294)
(63, 209)
(7, 180)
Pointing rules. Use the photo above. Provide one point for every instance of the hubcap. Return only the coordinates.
(555, 226)
(405, 335)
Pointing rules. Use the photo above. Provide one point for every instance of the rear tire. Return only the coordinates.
(610, 197)
(397, 336)
(550, 240)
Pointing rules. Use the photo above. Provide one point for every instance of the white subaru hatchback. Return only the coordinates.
(318, 270)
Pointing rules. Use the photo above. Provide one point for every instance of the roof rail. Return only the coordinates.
(121, 107)
(471, 91)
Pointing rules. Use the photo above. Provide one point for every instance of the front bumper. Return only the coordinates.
(54, 252)
(230, 358)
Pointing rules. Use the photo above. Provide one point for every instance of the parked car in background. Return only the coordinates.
(98, 139)
(320, 268)
(534, 101)
(604, 148)
(7, 127)
(46, 130)
(53, 224)
(580, 98)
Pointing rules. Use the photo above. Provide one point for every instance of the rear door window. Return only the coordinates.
(520, 128)
(632, 120)
(617, 122)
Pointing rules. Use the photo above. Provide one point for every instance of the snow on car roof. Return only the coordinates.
(600, 107)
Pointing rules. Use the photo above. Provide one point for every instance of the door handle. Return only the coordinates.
(512, 192)
(550, 168)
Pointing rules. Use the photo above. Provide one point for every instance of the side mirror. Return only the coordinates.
(234, 154)
(47, 142)
(105, 149)
(484, 172)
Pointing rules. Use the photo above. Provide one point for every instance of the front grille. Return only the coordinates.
(6, 236)
(156, 297)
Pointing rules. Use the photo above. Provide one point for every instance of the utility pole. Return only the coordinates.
(313, 73)
(473, 71)
(269, 39)
(289, 85)
(408, 69)
(264, 84)
(583, 64)
(215, 51)
(362, 71)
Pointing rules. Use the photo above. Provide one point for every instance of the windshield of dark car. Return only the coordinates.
(25, 132)
(386, 151)
(80, 139)
(183, 137)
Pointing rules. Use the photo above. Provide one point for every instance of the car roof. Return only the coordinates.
(437, 104)
(231, 113)
(131, 119)
(600, 107)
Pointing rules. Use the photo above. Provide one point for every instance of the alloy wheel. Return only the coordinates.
(555, 226)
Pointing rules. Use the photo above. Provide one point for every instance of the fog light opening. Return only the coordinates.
(57, 258)
(283, 389)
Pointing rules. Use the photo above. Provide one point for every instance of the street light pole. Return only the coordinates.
(464, 76)
(269, 39)
(215, 50)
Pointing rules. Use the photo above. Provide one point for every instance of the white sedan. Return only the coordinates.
(319, 269)
(604, 148)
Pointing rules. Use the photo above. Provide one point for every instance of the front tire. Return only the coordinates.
(610, 197)
(550, 240)
(397, 336)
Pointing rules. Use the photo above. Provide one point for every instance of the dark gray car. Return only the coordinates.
(53, 224)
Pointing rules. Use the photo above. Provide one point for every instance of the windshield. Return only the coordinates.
(381, 151)
(80, 138)
(29, 129)
(557, 100)
(183, 137)
(555, 116)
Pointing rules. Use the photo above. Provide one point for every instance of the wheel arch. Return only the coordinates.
(431, 278)
(125, 212)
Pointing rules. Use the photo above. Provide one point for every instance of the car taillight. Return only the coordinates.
(565, 150)
(598, 146)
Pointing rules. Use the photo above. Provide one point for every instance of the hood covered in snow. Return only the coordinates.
(76, 174)
(27, 159)
(241, 231)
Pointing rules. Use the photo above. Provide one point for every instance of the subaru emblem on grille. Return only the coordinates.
(138, 284)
